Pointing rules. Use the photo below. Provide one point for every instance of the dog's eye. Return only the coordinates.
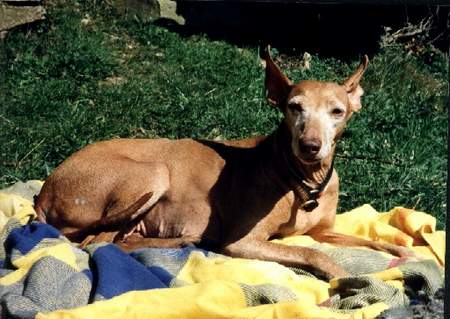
(337, 112)
(296, 108)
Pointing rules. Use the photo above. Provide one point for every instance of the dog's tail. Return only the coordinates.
(38, 205)
(111, 223)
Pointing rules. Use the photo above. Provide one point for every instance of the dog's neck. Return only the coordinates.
(293, 169)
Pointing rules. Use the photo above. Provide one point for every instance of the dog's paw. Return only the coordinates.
(189, 241)
(400, 251)
(331, 272)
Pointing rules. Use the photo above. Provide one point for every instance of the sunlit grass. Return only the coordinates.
(65, 84)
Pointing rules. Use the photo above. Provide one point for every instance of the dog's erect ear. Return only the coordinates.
(352, 86)
(277, 84)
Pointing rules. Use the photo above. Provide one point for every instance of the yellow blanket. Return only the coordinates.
(216, 286)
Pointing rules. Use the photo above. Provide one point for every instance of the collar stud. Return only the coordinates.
(310, 205)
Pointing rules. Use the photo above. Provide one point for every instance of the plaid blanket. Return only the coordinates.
(43, 275)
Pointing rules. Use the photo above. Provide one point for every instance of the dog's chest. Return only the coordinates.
(296, 220)
(307, 220)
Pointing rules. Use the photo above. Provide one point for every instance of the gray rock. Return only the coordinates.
(12, 16)
(150, 9)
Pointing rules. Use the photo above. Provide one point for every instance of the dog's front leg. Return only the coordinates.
(290, 256)
(329, 236)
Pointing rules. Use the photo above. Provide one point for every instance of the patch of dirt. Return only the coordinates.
(112, 80)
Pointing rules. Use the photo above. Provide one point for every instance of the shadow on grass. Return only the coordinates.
(338, 30)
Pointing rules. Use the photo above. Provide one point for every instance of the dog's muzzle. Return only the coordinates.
(309, 149)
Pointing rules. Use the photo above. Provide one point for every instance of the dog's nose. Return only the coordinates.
(310, 146)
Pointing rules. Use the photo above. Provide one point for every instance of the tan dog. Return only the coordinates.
(232, 195)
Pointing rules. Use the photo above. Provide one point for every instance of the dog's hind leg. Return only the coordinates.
(111, 223)
(135, 192)
(103, 237)
(135, 241)
(139, 179)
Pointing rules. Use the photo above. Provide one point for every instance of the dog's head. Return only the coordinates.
(315, 112)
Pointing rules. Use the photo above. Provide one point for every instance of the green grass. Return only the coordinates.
(57, 96)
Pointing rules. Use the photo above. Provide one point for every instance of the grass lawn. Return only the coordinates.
(85, 75)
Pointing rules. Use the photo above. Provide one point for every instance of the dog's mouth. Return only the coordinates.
(305, 157)
(308, 159)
